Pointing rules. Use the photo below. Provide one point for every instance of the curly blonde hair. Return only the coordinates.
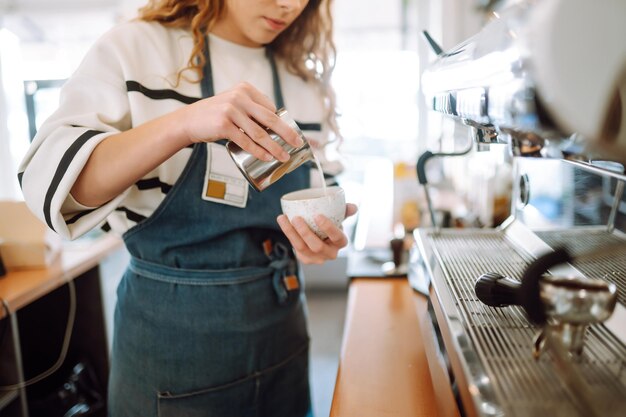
(306, 46)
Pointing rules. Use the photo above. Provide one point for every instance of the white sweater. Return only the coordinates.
(126, 79)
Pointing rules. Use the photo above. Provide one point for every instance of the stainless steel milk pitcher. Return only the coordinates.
(262, 174)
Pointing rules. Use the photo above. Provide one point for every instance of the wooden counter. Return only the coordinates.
(383, 369)
(20, 287)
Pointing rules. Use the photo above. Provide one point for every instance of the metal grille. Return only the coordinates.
(611, 267)
(503, 337)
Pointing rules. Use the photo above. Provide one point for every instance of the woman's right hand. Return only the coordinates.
(120, 160)
(240, 115)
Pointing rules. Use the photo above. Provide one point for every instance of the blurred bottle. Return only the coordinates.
(405, 196)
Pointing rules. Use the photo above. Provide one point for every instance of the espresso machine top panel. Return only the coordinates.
(550, 67)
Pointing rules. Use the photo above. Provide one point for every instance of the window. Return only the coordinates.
(42, 99)
(41, 43)
(377, 77)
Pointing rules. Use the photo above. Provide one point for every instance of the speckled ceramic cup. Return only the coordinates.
(311, 201)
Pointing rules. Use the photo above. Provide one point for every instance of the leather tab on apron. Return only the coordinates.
(291, 282)
(267, 248)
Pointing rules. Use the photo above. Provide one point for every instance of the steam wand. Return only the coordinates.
(421, 162)
(423, 180)
(433, 44)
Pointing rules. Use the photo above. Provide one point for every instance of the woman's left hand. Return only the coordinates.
(310, 249)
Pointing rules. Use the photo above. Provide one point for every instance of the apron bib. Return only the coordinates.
(210, 318)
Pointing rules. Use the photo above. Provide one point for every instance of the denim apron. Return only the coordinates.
(210, 317)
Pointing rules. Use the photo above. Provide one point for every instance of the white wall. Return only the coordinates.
(13, 133)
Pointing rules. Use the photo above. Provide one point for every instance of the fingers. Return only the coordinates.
(313, 241)
(351, 209)
(308, 246)
(277, 125)
(242, 114)
(265, 114)
(334, 233)
(291, 233)
(253, 113)
(243, 140)
(255, 133)
(303, 252)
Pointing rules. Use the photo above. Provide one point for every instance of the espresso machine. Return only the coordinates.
(529, 317)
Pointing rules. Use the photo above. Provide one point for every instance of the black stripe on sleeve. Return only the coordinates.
(159, 94)
(78, 216)
(20, 175)
(64, 164)
(330, 180)
(310, 126)
(106, 227)
(150, 183)
(131, 215)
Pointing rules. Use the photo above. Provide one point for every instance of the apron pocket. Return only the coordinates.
(281, 390)
(284, 390)
(236, 399)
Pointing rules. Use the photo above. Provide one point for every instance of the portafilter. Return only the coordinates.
(564, 306)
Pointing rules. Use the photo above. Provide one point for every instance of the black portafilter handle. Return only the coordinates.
(496, 290)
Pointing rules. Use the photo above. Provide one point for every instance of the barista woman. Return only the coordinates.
(210, 317)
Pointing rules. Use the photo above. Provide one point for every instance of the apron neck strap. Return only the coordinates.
(278, 92)
(208, 89)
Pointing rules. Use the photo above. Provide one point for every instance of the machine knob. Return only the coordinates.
(496, 290)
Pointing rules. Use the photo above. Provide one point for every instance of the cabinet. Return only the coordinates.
(33, 330)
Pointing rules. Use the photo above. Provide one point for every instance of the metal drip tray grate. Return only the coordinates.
(611, 267)
(503, 337)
